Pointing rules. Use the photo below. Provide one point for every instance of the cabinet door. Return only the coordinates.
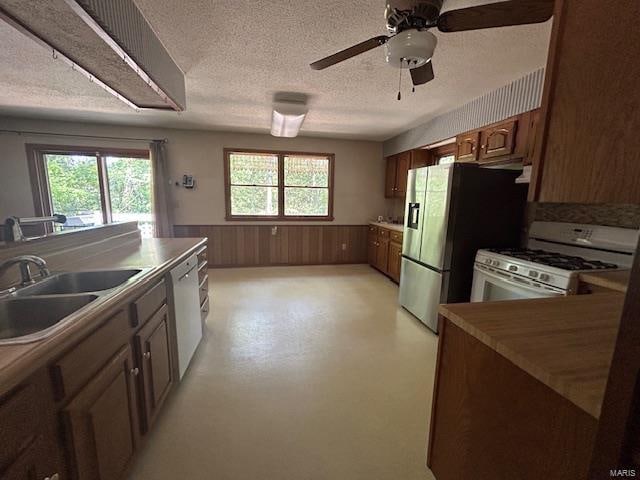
(390, 179)
(394, 261)
(29, 464)
(152, 342)
(382, 255)
(372, 251)
(534, 120)
(498, 141)
(402, 170)
(467, 147)
(102, 421)
(421, 157)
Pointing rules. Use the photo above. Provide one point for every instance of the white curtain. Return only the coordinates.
(162, 211)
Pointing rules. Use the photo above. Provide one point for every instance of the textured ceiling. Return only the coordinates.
(237, 53)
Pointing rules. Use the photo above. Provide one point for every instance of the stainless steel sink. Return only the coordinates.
(79, 282)
(24, 320)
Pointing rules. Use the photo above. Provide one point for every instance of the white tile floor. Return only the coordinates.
(306, 373)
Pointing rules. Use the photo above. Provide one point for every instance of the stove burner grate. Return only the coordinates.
(552, 259)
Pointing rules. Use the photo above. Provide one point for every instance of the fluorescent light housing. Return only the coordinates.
(287, 118)
(109, 42)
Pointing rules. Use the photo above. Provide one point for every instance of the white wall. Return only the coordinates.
(359, 166)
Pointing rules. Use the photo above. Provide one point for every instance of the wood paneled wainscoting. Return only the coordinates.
(265, 245)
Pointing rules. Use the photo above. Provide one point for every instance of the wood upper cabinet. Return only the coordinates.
(467, 147)
(391, 176)
(102, 421)
(154, 350)
(402, 170)
(398, 167)
(498, 140)
(533, 121)
(420, 157)
(587, 149)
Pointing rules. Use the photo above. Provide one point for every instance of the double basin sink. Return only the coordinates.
(32, 313)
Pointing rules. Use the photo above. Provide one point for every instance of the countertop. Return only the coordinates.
(391, 226)
(158, 255)
(617, 280)
(566, 343)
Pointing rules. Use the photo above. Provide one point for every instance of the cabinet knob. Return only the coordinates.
(147, 355)
(135, 371)
(55, 476)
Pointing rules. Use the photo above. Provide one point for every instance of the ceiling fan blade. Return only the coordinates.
(501, 14)
(350, 52)
(423, 74)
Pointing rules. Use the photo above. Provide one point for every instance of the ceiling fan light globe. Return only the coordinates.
(410, 48)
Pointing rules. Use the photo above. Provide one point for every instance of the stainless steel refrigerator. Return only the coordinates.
(451, 212)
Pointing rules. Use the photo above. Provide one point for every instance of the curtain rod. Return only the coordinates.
(49, 134)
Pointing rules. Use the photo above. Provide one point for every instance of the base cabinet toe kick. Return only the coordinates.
(85, 415)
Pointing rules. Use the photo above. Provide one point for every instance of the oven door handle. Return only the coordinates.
(511, 280)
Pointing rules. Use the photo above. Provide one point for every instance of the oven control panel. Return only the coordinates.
(536, 274)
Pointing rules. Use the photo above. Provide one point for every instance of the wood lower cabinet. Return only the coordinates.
(102, 421)
(385, 251)
(394, 262)
(382, 255)
(203, 280)
(30, 447)
(154, 350)
(492, 420)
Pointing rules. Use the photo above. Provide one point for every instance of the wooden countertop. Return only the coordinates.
(389, 226)
(158, 255)
(565, 342)
(617, 280)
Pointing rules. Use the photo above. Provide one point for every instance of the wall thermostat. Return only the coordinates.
(188, 181)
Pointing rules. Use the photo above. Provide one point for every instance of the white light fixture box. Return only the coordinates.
(287, 118)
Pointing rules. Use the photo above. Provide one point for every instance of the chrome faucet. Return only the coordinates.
(23, 261)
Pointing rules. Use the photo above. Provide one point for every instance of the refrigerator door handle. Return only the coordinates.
(414, 215)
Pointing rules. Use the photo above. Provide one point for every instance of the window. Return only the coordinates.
(263, 185)
(92, 186)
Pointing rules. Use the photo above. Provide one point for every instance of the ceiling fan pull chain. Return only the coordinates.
(413, 87)
(400, 86)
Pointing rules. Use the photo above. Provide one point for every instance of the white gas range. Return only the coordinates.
(556, 254)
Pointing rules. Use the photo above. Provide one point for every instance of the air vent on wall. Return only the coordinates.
(110, 42)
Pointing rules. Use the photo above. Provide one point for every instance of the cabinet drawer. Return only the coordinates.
(202, 257)
(383, 233)
(202, 273)
(204, 289)
(396, 236)
(148, 304)
(77, 367)
(18, 423)
(373, 230)
(204, 309)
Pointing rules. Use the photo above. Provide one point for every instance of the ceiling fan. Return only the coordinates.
(411, 45)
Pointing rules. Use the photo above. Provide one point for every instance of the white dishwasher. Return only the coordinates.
(186, 301)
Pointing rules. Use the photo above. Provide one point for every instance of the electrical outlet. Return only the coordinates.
(344, 246)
